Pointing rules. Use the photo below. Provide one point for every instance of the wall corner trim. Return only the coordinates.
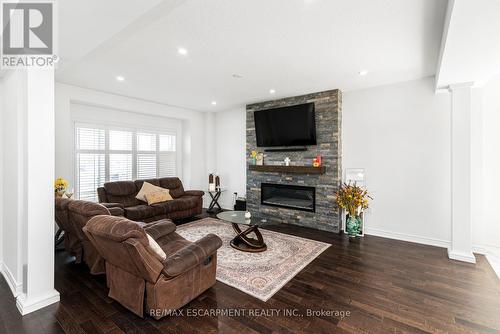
(27, 305)
(492, 255)
(14, 286)
(461, 256)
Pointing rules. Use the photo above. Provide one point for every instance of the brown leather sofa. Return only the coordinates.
(185, 204)
(71, 216)
(134, 271)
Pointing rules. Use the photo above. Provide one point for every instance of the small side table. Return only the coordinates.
(215, 200)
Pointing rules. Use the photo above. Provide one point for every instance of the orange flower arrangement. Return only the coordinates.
(351, 197)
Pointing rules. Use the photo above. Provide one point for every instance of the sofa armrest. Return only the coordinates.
(160, 228)
(191, 255)
(194, 193)
(112, 205)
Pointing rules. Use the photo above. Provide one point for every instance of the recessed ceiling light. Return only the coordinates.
(272, 91)
(182, 51)
(120, 78)
(363, 72)
(214, 103)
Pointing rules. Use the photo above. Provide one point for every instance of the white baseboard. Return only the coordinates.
(15, 287)
(492, 254)
(408, 237)
(494, 263)
(461, 256)
(27, 305)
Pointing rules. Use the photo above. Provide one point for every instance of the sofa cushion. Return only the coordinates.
(140, 212)
(139, 183)
(158, 197)
(120, 188)
(173, 184)
(148, 189)
(179, 204)
(121, 192)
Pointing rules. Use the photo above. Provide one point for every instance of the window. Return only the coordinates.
(108, 154)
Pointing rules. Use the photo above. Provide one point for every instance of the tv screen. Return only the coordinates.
(287, 126)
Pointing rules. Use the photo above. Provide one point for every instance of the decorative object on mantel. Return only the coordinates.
(260, 159)
(253, 156)
(287, 161)
(353, 199)
(317, 161)
(60, 186)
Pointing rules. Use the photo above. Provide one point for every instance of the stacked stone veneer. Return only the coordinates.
(328, 107)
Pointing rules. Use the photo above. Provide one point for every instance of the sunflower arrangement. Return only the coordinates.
(352, 198)
(60, 185)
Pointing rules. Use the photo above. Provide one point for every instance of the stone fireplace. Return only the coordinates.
(299, 197)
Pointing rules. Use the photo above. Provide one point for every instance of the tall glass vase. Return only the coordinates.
(353, 224)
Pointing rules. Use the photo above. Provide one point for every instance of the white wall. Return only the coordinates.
(230, 142)
(75, 103)
(401, 135)
(486, 229)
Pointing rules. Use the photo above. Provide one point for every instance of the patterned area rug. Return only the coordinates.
(259, 274)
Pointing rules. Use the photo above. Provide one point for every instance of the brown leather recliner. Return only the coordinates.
(72, 243)
(79, 213)
(135, 271)
(185, 204)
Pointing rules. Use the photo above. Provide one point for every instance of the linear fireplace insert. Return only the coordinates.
(288, 196)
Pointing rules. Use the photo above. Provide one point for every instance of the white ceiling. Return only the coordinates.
(292, 46)
(471, 49)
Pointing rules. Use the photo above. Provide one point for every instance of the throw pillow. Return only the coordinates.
(147, 188)
(158, 197)
(160, 254)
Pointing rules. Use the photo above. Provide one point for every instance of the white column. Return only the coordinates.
(461, 244)
(38, 195)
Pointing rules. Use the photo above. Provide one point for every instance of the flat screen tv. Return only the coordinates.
(286, 126)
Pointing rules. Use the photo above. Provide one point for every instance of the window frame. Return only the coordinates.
(106, 152)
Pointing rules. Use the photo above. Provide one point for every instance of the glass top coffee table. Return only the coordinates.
(242, 241)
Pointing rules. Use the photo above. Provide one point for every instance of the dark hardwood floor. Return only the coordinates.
(387, 286)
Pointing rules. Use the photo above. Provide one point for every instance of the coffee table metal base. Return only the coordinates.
(245, 243)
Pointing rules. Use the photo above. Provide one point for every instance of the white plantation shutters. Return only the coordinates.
(167, 156)
(104, 155)
(120, 155)
(146, 156)
(90, 161)
(92, 175)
